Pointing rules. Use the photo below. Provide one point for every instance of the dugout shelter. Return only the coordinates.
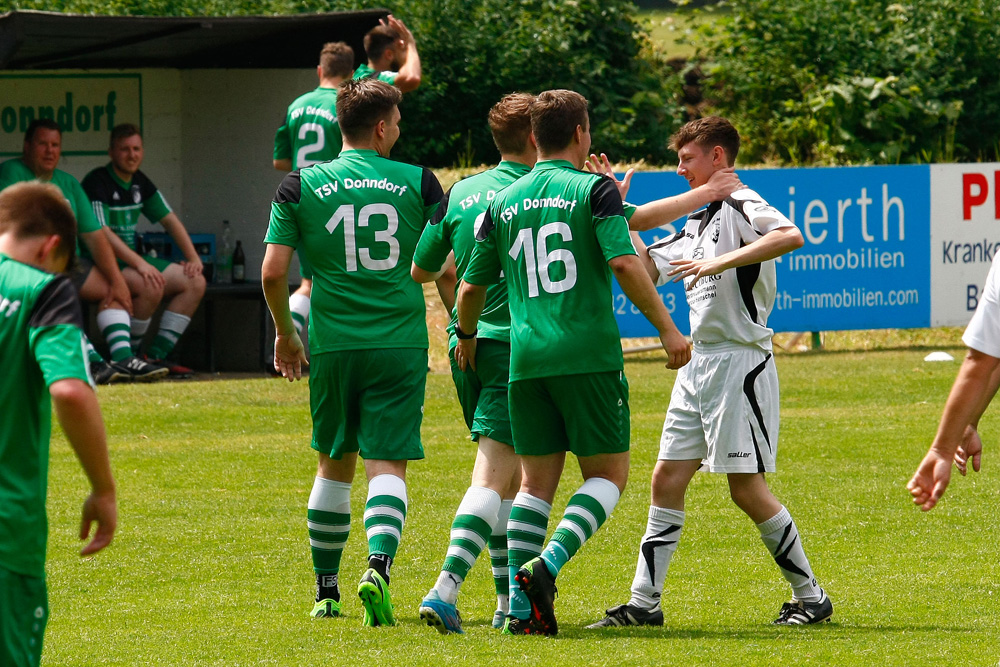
(207, 92)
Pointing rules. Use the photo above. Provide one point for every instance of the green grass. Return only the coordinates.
(672, 30)
(211, 564)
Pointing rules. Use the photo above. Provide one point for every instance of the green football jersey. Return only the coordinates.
(16, 171)
(358, 219)
(41, 336)
(117, 203)
(454, 227)
(365, 71)
(311, 133)
(552, 233)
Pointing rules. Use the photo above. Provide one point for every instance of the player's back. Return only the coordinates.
(555, 231)
(312, 128)
(32, 303)
(358, 219)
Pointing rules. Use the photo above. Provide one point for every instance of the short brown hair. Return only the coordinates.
(40, 124)
(362, 103)
(378, 39)
(709, 132)
(555, 116)
(33, 209)
(510, 122)
(336, 59)
(123, 131)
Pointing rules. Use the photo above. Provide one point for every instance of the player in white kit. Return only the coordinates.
(724, 405)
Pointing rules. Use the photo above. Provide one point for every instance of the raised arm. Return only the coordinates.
(410, 72)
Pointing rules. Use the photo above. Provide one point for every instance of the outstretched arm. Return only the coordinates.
(974, 387)
(79, 414)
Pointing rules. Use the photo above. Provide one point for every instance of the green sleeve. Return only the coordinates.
(282, 228)
(388, 77)
(630, 210)
(60, 353)
(484, 265)
(612, 235)
(282, 144)
(85, 219)
(156, 207)
(432, 248)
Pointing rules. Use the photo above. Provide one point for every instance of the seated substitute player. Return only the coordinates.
(119, 192)
(957, 436)
(481, 518)
(357, 219)
(557, 234)
(391, 45)
(41, 335)
(724, 404)
(96, 277)
(309, 135)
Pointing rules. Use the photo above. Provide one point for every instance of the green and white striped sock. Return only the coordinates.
(115, 326)
(92, 354)
(139, 329)
(498, 556)
(385, 514)
(299, 305)
(529, 521)
(470, 532)
(329, 521)
(587, 511)
(172, 327)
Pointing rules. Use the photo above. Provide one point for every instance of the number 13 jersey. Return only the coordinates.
(357, 219)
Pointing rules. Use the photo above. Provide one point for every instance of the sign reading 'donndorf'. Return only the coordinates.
(86, 106)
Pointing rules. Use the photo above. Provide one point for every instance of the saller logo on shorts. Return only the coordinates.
(739, 455)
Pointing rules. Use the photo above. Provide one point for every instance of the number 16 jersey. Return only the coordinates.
(357, 219)
(552, 233)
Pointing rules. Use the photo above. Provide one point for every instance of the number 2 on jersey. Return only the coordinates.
(345, 214)
(538, 259)
(302, 159)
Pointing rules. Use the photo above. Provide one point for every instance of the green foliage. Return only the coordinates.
(858, 81)
(475, 51)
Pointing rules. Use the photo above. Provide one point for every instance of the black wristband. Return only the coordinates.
(461, 335)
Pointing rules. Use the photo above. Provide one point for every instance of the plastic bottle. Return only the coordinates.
(239, 264)
(224, 255)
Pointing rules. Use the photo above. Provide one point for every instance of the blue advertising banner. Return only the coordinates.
(866, 259)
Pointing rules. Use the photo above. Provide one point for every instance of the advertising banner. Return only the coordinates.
(86, 106)
(866, 259)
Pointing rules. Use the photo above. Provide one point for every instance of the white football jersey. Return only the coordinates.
(734, 305)
(983, 332)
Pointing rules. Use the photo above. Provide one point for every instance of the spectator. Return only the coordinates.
(119, 191)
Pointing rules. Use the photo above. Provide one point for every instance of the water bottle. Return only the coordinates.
(239, 264)
(224, 255)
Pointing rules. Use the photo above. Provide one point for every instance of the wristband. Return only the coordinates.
(461, 335)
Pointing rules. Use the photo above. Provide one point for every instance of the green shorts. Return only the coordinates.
(305, 268)
(586, 414)
(24, 610)
(158, 263)
(483, 392)
(368, 401)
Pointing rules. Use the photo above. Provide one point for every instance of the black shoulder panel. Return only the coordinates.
(290, 189)
(605, 201)
(57, 304)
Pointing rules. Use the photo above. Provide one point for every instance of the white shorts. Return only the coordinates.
(724, 410)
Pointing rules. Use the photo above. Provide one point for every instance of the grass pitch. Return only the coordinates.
(211, 562)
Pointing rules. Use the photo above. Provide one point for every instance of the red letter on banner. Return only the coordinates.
(968, 200)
